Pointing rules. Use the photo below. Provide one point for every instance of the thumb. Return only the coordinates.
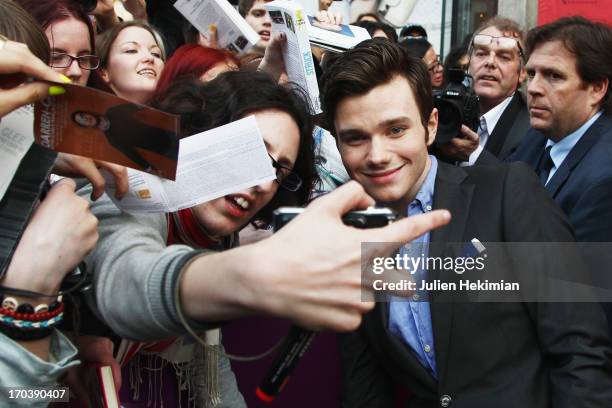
(64, 185)
(213, 38)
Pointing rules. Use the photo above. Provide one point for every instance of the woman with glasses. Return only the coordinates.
(70, 34)
(141, 258)
(422, 49)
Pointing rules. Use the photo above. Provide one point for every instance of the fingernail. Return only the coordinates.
(56, 90)
(65, 79)
(212, 27)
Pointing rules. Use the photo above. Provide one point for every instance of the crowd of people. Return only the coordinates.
(537, 169)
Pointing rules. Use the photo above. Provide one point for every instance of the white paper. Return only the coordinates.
(348, 36)
(234, 33)
(211, 164)
(289, 17)
(16, 137)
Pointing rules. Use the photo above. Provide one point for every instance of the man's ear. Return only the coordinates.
(432, 127)
(522, 74)
(598, 91)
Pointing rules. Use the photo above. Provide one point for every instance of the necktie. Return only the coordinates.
(545, 165)
(483, 132)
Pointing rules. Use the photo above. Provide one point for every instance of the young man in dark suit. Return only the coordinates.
(497, 66)
(570, 146)
(446, 351)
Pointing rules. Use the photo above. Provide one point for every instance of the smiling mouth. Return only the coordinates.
(147, 72)
(384, 175)
(264, 34)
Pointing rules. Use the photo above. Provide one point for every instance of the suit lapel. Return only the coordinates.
(500, 135)
(450, 194)
(574, 157)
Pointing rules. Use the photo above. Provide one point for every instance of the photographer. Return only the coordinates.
(498, 69)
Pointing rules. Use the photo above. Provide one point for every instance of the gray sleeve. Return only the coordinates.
(20, 368)
(135, 273)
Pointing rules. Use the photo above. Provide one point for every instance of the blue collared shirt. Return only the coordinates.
(410, 319)
(560, 150)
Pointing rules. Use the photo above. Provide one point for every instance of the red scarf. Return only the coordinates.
(184, 228)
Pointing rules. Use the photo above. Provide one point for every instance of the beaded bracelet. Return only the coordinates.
(29, 325)
(54, 310)
(10, 303)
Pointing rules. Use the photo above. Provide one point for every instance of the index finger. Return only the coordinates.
(407, 229)
(469, 133)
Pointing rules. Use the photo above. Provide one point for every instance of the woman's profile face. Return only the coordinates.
(225, 215)
(134, 64)
(86, 119)
(70, 36)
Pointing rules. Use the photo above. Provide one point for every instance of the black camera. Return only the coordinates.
(457, 105)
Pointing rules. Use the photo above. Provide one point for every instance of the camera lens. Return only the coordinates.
(449, 120)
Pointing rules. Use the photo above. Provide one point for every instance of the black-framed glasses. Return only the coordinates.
(62, 60)
(285, 177)
(504, 43)
(434, 64)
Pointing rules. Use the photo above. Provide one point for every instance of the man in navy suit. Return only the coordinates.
(570, 146)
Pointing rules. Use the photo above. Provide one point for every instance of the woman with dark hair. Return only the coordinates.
(198, 62)
(422, 49)
(140, 254)
(70, 34)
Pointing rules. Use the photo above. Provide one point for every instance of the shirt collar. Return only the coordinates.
(424, 198)
(492, 116)
(560, 150)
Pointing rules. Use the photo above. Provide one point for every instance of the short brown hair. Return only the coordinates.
(505, 25)
(244, 6)
(590, 42)
(370, 64)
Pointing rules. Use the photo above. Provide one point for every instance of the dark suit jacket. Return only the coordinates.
(502, 355)
(582, 185)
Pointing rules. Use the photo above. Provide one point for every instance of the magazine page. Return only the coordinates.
(16, 137)
(211, 164)
(234, 33)
(338, 37)
(289, 18)
(102, 126)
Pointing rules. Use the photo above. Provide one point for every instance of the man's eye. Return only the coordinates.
(258, 13)
(397, 131)
(481, 53)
